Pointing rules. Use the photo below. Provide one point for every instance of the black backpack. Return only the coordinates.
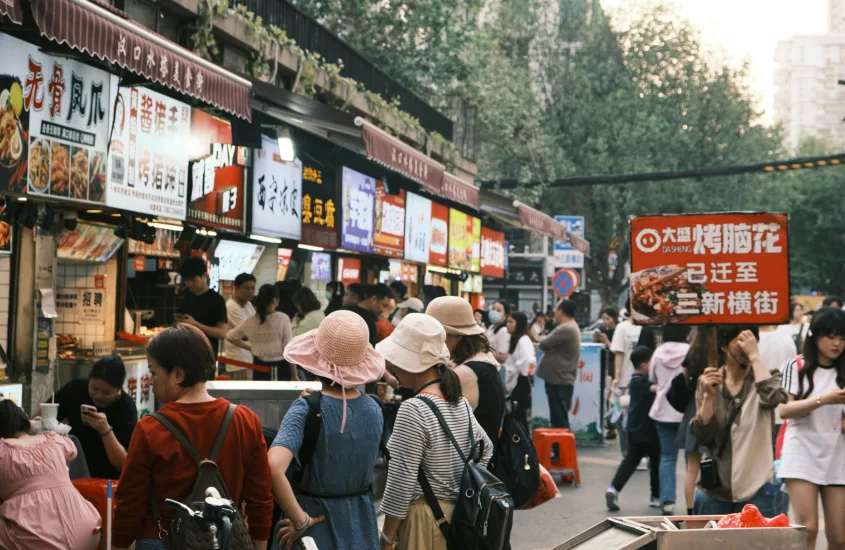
(311, 433)
(483, 514)
(185, 533)
(515, 461)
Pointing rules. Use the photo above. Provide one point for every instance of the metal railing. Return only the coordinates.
(313, 37)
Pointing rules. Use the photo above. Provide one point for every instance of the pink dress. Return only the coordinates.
(39, 506)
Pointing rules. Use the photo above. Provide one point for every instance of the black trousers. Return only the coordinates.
(560, 403)
(520, 399)
(636, 452)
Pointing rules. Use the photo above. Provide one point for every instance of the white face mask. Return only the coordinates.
(329, 295)
(495, 316)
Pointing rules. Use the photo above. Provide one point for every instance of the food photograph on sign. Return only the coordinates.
(439, 239)
(464, 241)
(5, 232)
(389, 237)
(710, 269)
(359, 191)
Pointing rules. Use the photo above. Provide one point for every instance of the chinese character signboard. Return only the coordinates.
(565, 253)
(284, 255)
(148, 154)
(359, 193)
(276, 193)
(389, 238)
(216, 180)
(710, 268)
(417, 228)
(321, 266)
(492, 253)
(438, 245)
(319, 207)
(464, 241)
(54, 124)
(235, 258)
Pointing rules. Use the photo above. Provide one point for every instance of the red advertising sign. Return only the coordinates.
(216, 196)
(710, 268)
(409, 273)
(350, 270)
(439, 245)
(492, 253)
(284, 255)
(389, 237)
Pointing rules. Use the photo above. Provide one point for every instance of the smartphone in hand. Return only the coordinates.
(88, 409)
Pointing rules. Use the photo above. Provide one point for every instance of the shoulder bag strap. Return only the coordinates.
(431, 498)
(726, 436)
(221, 433)
(180, 437)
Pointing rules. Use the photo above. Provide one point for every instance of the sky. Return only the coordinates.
(750, 30)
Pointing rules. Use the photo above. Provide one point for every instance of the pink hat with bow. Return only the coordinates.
(340, 351)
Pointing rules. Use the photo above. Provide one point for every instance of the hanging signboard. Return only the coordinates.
(417, 228)
(54, 124)
(148, 159)
(321, 266)
(359, 193)
(492, 253)
(235, 258)
(389, 237)
(464, 241)
(710, 268)
(438, 246)
(349, 271)
(276, 193)
(283, 256)
(319, 207)
(216, 196)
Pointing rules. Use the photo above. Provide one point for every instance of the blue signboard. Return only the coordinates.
(573, 224)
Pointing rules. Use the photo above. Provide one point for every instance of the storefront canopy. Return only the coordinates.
(106, 33)
(541, 223)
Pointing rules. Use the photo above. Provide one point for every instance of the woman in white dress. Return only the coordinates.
(813, 457)
(520, 362)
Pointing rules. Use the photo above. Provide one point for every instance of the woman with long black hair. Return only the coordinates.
(334, 294)
(268, 332)
(813, 457)
(497, 333)
(520, 362)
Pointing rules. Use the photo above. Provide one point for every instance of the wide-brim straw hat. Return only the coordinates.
(417, 344)
(455, 314)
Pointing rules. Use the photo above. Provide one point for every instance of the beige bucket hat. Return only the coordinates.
(455, 314)
(417, 344)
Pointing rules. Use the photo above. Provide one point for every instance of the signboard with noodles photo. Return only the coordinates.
(710, 269)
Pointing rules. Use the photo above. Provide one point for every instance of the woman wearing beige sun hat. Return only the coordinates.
(333, 503)
(417, 355)
(476, 367)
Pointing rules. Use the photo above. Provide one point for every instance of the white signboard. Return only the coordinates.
(417, 228)
(148, 154)
(565, 253)
(236, 258)
(276, 193)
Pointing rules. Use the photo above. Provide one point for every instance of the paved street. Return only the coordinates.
(580, 508)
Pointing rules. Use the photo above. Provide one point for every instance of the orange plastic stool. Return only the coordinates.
(567, 463)
(95, 491)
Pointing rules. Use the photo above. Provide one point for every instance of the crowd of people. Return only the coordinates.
(730, 415)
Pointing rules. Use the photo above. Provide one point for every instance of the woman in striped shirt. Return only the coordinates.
(417, 355)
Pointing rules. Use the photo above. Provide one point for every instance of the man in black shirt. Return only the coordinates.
(372, 300)
(203, 307)
(106, 433)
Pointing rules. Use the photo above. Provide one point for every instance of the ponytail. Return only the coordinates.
(450, 384)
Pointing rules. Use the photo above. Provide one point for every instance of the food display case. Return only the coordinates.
(683, 533)
(269, 400)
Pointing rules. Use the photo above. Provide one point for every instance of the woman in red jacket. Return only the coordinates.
(180, 360)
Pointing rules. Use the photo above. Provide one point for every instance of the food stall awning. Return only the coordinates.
(12, 10)
(400, 157)
(541, 223)
(500, 208)
(107, 34)
(459, 191)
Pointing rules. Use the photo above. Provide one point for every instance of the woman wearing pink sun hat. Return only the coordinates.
(333, 503)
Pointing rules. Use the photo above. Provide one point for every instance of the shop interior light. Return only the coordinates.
(22, 199)
(207, 233)
(264, 239)
(95, 212)
(309, 247)
(169, 226)
(115, 215)
(286, 151)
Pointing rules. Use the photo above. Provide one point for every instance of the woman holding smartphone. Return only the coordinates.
(736, 405)
(813, 458)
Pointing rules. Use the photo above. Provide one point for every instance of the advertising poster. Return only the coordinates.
(389, 237)
(492, 253)
(319, 207)
(464, 248)
(710, 269)
(216, 196)
(349, 270)
(439, 239)
(417, 228)
(283, 256)
(54, 124)
(321, 266)
(148, 159)
(93, 243)
(566, 255)
(276, 193)
(235, 258)
(359, 193)
(585, 418)
(5, 234)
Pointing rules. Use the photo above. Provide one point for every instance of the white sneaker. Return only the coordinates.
(643, 465)
(612, 498)
(668, 508)
(654, 502)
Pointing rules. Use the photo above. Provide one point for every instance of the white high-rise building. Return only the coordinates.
(808, 99)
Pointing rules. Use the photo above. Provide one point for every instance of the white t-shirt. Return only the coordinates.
(501, 340)
(777, 348)
(814, 446)
(267, 339)
(624, 341)
(519, 362)
(237, 314)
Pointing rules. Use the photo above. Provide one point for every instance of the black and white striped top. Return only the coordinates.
(418, 439)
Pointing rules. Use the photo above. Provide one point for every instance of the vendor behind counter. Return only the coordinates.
(104, 435)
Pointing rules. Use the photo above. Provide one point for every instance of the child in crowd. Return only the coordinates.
(642, 433)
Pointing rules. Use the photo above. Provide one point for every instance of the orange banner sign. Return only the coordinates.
(710, 269)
